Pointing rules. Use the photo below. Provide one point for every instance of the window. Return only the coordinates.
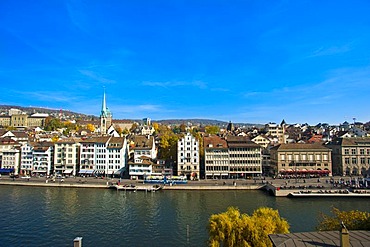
(354, 161)
(346, 161)
(353, 151)
(362, 151)
(346, 151)
(363, 161)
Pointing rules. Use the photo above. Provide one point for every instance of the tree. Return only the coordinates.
(168, 146)
(231, 228)
(212, 129)
(353, 220)
(90, 127)
(52, 124)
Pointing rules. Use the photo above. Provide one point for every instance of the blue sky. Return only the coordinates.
(240, 61)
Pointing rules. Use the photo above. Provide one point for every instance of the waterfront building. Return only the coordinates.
(117, 151)
(105, 117)
(66, 156)
(103, 156)
(26, 159)
(8, 147)
(142, 146)
(351, 156)
(301, 159)
(232, 157)
(245, 157)
(216, 157)
(141, 167)
(143, 153)
(11, 159)
(43, 158)
(188, 160)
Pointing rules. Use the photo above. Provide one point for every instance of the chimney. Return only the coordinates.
(344, 236)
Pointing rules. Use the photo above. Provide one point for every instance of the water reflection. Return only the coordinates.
(109, 217)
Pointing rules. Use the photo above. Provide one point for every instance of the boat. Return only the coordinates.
(131, 187)
(166, 180)
(330, 193)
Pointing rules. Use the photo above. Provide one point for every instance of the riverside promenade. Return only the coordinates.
(276, 187)
(92, 182)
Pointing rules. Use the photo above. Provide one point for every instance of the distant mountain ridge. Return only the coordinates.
(55, 112)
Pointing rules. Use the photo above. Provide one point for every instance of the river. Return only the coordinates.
(46, 216)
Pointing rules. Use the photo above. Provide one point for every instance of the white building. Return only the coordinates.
(43, 158)
(11, 159)
(216, 157)
(66, 156)
(26, 159)
(188, 157)
(103, 156)
(143, 152)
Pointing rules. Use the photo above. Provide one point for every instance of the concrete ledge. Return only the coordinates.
(212, 187)
(62, 185)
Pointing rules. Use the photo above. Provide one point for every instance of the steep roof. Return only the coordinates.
(214, 142)
(141, 142)
(116, 142)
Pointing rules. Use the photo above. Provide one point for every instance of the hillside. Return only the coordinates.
(69, 114)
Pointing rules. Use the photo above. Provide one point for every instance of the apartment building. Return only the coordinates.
(188, 160)
(103, 156)
(43, 158)
(26, 159)
(66, 156)
(216, 157)
(143, 154)
(351, 156)
(301, 159)
(245, 157)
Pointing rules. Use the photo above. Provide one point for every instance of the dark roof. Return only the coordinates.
(324, 238)
(240, 141)
(300, 146)
(215, 141)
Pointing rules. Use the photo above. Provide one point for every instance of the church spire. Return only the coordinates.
(104, 106)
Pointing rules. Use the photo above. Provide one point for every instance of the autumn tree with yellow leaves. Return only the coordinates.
(233, 229)
(353, 220)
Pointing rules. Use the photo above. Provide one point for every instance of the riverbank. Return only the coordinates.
(106, 183)
(275, 187)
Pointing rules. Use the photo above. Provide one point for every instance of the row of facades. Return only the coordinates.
(223, 157)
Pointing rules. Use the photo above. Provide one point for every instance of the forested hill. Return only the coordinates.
(56, 112)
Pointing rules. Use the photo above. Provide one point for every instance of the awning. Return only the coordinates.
(6, 170)
(86, 171)
(68, 171)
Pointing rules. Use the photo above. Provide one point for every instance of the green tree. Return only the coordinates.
(168, 146)
(212, 129)
(353, 220)
(233, 229)
(52, 124)
(182, 128)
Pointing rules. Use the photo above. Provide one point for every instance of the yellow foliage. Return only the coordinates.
(353, 220)
(231, 228)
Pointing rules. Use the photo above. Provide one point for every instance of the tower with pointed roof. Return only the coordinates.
(105, 117)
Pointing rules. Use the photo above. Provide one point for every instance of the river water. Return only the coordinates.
(39, 216)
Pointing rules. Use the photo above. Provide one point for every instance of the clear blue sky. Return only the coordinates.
(240, 61)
